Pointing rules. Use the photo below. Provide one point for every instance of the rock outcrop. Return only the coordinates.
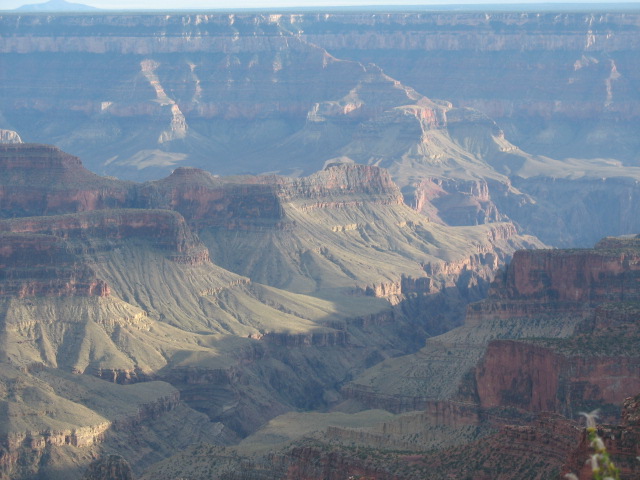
(102, 230)
(112, 467)
(537, 378)
(41, 265)
(609, 272)
(558, 333)
(324, 189)
(114, 279)
(211, 202)
(118, 286)
(457, 202)
(597, 365)
(576, 60)
(44, 180)
(622, 442)
(9, 136)
(53, 414)
(536, 450)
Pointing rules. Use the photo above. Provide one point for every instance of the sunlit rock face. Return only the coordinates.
(457, 106)
(560, 84)
(241, 297)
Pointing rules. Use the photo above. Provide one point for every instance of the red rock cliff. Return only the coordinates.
(582, 275)
(600, 363)
(87, 231)
(43, 180)
(536, 378)
(208, 201)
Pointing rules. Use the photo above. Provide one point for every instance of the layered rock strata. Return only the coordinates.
(582, 84)
(113, 467)
(196, 86)
(43, 180)
(119, 285)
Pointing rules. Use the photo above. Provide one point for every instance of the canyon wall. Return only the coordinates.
(556, 82)
(43, 180)
(124, 284)
(557, 335)
(467, 110)
(595, 366)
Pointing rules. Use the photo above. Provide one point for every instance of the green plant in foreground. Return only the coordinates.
(601, 465)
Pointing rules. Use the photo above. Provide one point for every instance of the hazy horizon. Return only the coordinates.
(257, 4)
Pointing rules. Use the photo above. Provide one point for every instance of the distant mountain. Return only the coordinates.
(56, 6)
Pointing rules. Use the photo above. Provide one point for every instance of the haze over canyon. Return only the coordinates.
(320, 245)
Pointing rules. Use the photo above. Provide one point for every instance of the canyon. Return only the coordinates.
(154, 297)
(498, 397)
(475, 114)
(350, 244)
(232, 299)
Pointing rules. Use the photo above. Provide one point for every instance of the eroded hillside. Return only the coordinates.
(479, 117)
(236, 298)
(498, 397)
(323, 197)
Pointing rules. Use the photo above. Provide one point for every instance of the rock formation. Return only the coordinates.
(43, 180)
(9, 136)
(578, 61)
(124, 284)
(113, 467)
(498, 397)
(246, 297)
(43, 266)
(255, 93)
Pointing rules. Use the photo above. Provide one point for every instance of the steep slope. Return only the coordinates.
(43, 180)
(561, 83)
(494, 398)
(549, 294)
(119, 286)
(244, 81)
(113, 467)
(342, 235)
(55, 422)
(137, 95)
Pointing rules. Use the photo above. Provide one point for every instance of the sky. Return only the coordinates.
(231, 4)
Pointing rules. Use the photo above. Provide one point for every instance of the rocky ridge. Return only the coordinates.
(620, 440)
(542, 291)
(126, 286)
(113, 467)
(584, 79)
(196, 86)
(527, 360)
(70, 417)
(343, 277)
